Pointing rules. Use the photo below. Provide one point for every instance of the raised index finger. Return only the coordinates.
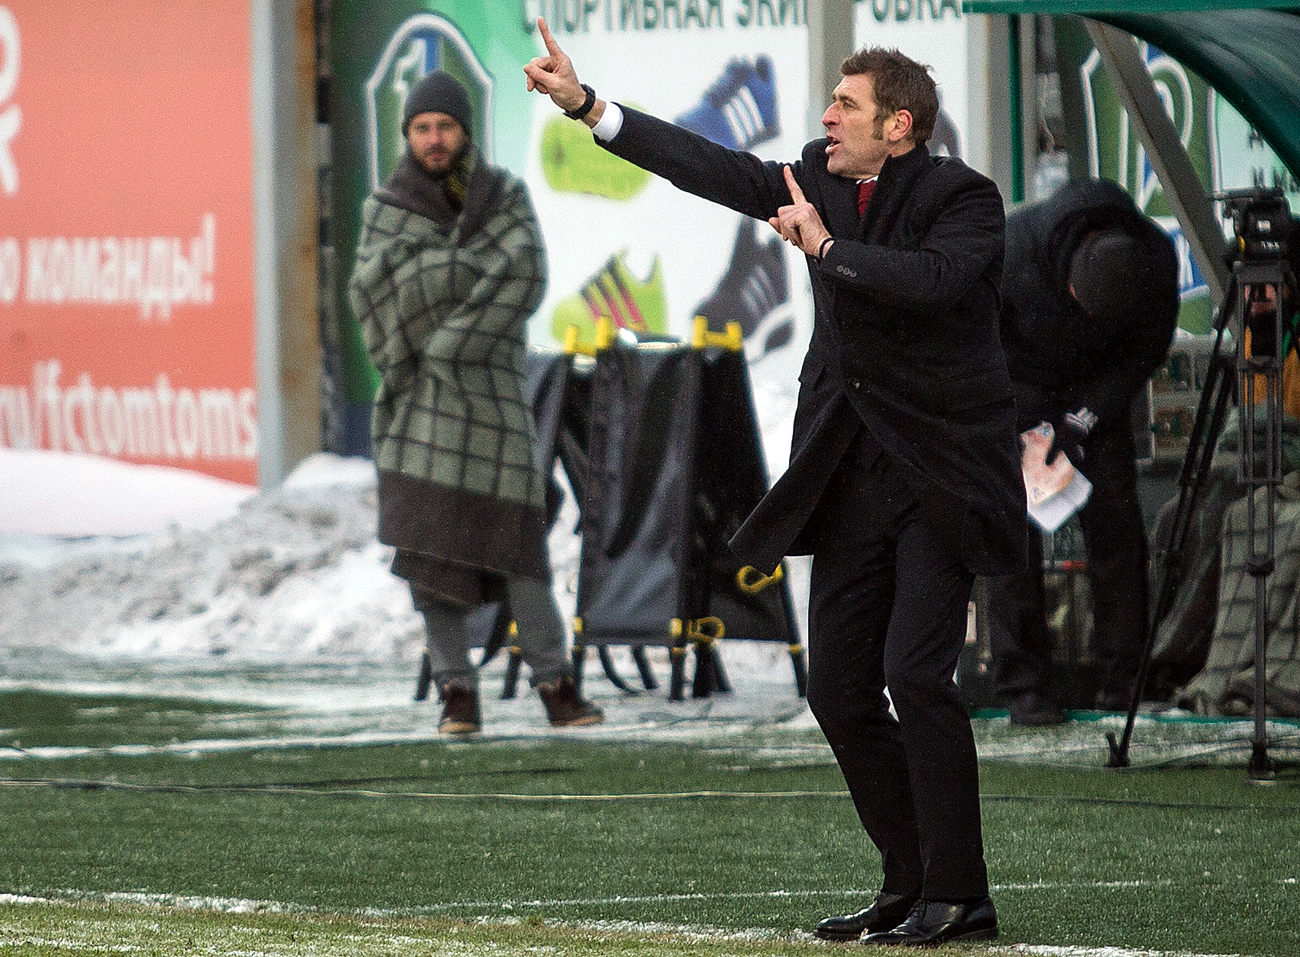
(552, 47)
(796, 193)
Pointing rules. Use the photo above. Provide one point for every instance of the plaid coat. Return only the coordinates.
(443, 298)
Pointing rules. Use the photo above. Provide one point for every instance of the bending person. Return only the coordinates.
(1089, 306)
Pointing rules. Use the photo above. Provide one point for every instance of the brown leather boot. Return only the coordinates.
(565, 708)
(460, 711)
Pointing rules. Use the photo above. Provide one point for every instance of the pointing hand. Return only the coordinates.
(553, 74)
(799, 223)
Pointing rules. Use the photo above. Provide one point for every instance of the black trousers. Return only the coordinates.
(1114, 537)
(888, 608)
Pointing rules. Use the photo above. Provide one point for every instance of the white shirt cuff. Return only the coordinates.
(610, 122)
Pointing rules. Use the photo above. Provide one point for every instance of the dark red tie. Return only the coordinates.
(864, 195)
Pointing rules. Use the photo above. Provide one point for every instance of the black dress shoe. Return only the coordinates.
(934, 922)
(888, 911)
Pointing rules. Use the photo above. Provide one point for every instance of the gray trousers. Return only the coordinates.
(541, 639)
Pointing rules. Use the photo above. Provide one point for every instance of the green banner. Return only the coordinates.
(377, 52)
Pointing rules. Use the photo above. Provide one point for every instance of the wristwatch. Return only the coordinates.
(587, 104)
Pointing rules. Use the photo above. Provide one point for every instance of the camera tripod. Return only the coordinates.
(1247, 374)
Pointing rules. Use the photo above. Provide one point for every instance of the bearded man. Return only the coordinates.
(449, 267)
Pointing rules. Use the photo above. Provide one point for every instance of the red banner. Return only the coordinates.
(126, 232)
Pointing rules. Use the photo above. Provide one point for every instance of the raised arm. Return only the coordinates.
(555, 76)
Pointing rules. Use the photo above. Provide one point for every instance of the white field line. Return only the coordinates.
(244, 906)
(241, 906)
(505, 908)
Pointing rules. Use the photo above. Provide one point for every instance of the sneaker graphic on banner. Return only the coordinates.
(573, 163)
(739, 110)
(750, 291)
(614, 293)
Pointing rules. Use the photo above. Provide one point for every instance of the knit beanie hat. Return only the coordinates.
(1109, 273)
(439, 92)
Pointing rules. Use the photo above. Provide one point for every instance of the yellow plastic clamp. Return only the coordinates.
(705, 631)
(573, 344)
(731, 339)
(751, 581)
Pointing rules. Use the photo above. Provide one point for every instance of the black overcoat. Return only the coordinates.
(1069, 359)
(905, 337)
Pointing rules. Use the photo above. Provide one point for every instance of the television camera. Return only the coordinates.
(1262, 297)
(1261, 222)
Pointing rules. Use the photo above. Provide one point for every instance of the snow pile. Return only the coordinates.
(63, 495)
(105, 559)
(294, 573)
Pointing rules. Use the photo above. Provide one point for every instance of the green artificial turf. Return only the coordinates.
(587, 846)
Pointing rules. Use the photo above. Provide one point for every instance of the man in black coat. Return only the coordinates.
(904, 478)
(1089, 306)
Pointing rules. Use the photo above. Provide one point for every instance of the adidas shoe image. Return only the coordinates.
(751, 290)
(614, 293)
(572, 162)
(739, 110)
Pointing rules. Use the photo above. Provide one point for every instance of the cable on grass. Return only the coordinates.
(295, 789)
(1131, 802)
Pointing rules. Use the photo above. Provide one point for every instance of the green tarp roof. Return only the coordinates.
(1250, 53)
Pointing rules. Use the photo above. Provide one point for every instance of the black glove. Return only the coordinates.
(1069, 435)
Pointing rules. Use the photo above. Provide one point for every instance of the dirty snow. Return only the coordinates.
(121, 579)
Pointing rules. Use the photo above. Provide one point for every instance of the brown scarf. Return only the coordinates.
(440, 198)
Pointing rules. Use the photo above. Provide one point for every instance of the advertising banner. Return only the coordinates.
(620, 243)
(126, 236)
(634, 247)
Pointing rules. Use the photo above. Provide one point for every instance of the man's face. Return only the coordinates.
(860, 140)
(436, 140)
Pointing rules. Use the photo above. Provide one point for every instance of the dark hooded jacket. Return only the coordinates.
(1051, 343)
